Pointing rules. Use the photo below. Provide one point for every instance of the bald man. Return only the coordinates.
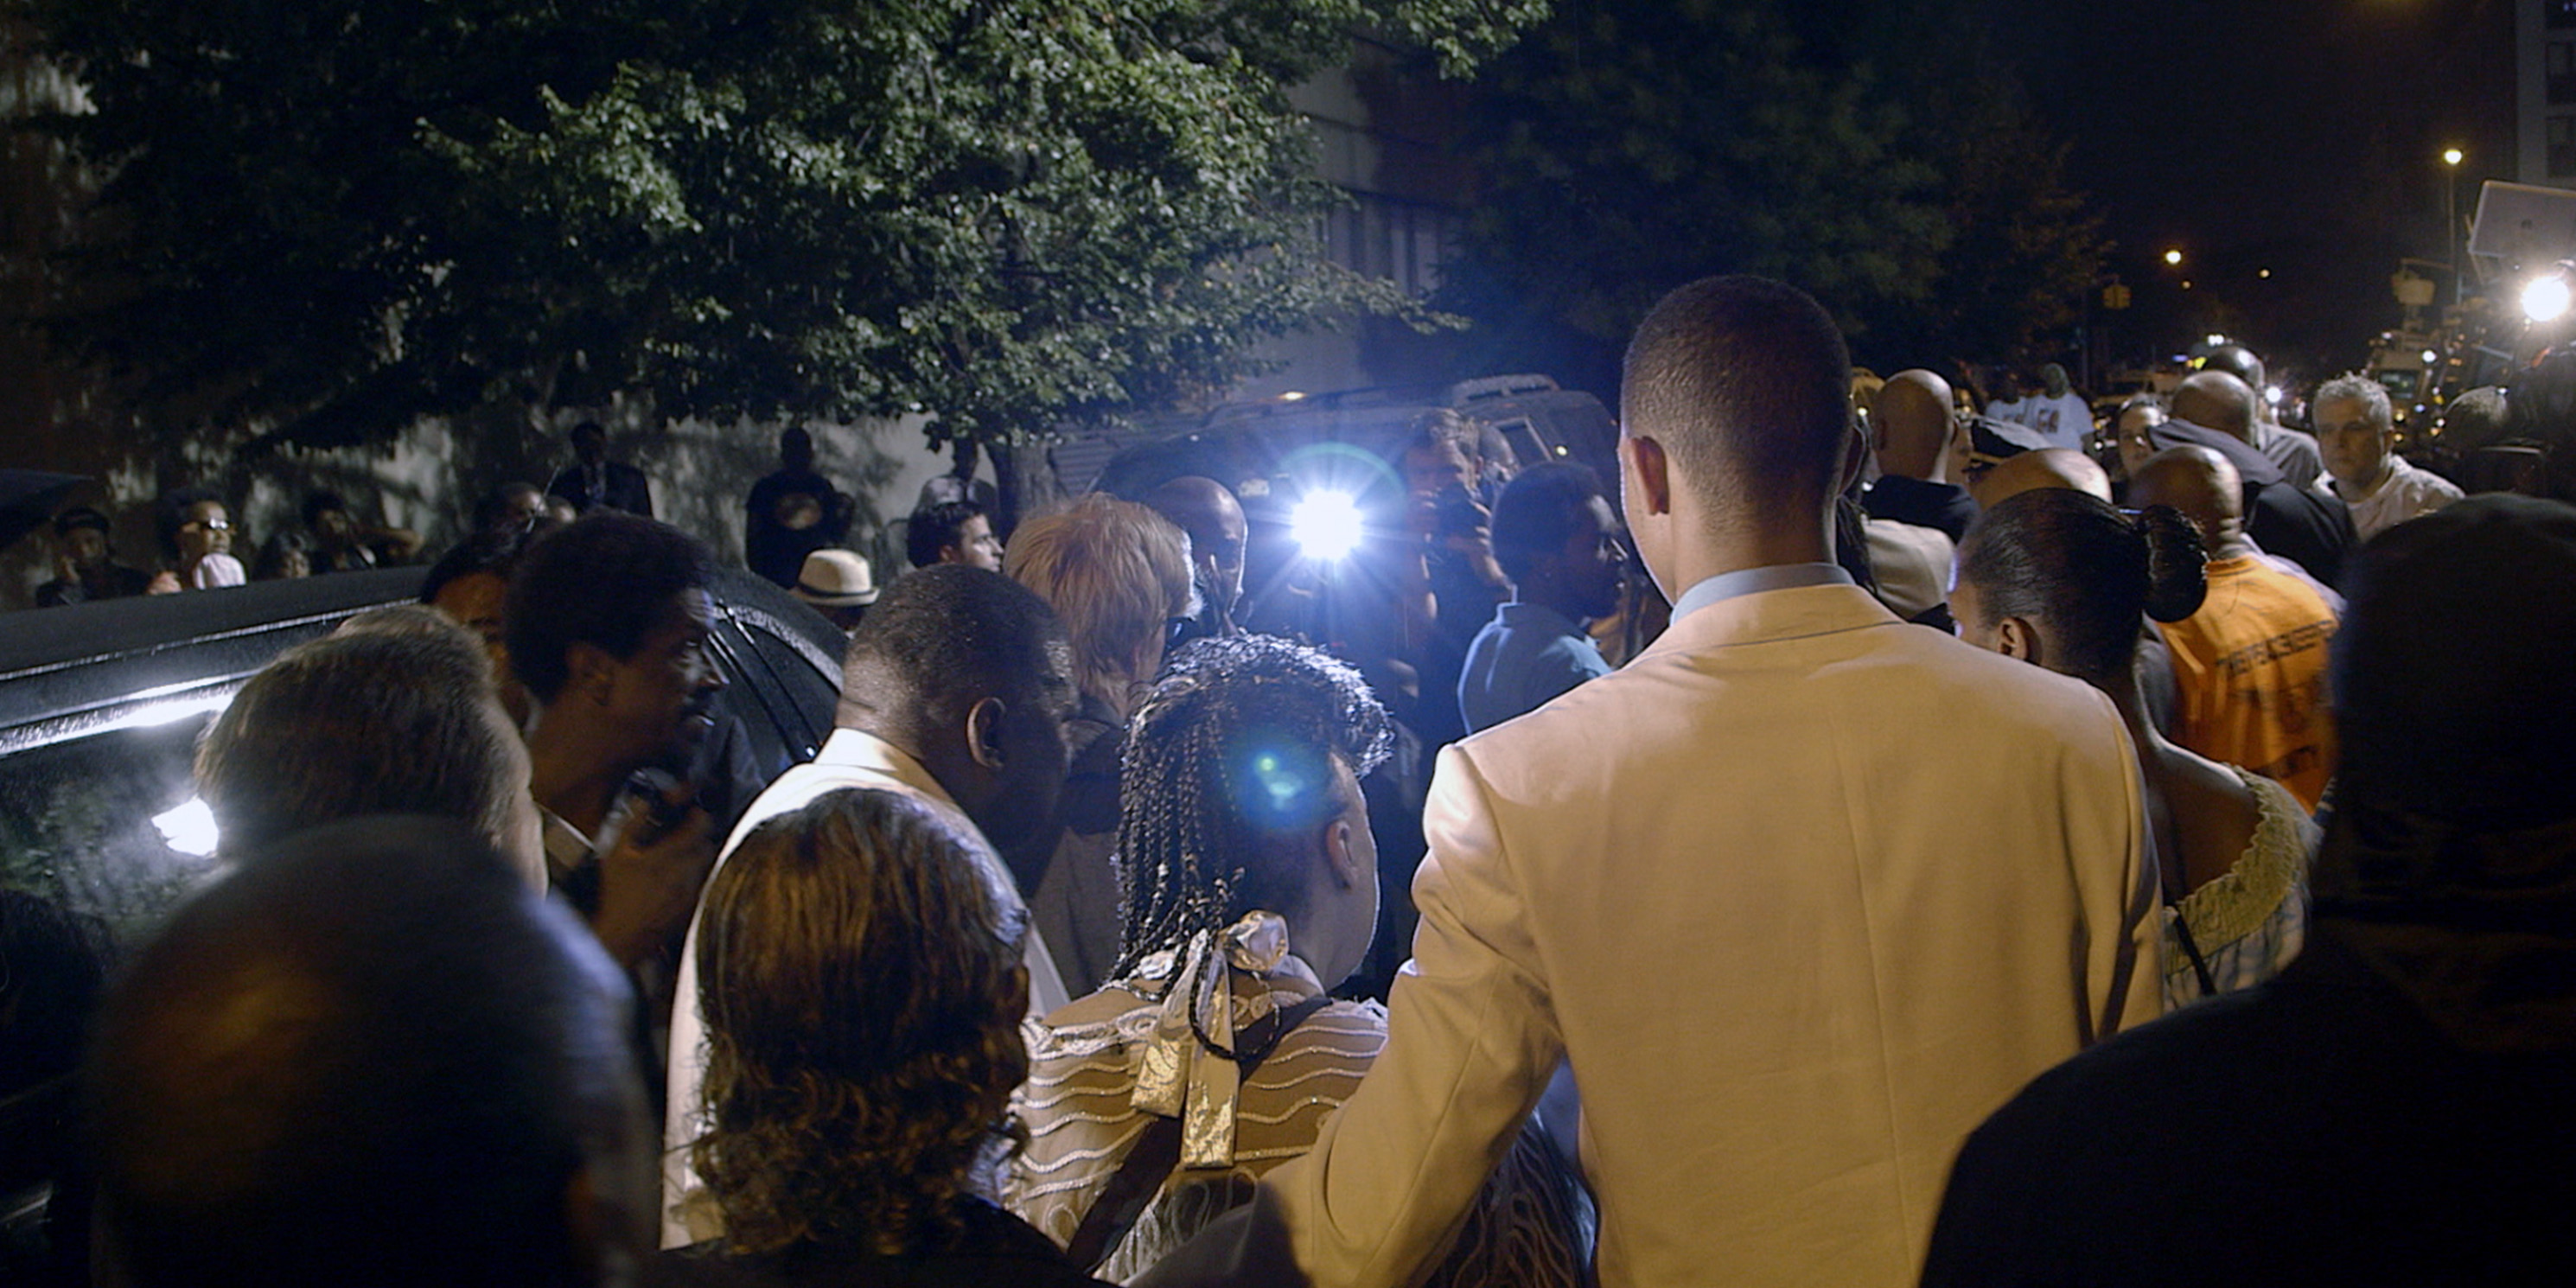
(1912, 431)
(2250, 667)
(1208, 511)
(2215, 410)
(2047, 467)
(372, 1056)
(2296, 453)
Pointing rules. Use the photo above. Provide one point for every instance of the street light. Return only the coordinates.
(2451, 156)
(2173, 257)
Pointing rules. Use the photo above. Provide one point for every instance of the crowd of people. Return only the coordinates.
(1968, 862)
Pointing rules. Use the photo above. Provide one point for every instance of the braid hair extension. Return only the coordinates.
(1234, 743)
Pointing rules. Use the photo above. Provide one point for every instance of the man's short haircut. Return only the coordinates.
(79, 517)
(1116, 574)
(1437, 429)
(389, 715)
(605, 579)
(486, 551)
(952, 635)
(589, 429)
(370, 1056)
(1540, 511)
(934, 528)
(489, 507)
(320, 502)
(2136, 402)
(1746, 384)
(2362, 389)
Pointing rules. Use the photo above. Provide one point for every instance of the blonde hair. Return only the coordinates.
(1115, 572)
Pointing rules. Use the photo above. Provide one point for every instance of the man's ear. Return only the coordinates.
(984, 731)
(2015, 637)
(590, 671)
(1650, 470)
(1341, 858)
(1857, 447)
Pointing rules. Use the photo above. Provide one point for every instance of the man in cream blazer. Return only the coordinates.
(1803, 892)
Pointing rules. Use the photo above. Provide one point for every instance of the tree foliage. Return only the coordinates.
(1629, 146)
(328, 217)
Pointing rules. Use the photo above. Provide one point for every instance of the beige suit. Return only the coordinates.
(1804, 892)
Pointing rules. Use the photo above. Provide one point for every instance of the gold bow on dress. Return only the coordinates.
(1177, 1075)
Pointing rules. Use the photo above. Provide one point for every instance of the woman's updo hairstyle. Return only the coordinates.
(2084, 571)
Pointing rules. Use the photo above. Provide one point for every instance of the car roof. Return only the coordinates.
(69, 671)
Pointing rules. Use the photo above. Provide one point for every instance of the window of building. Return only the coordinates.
(2562, 147)
(2558, 65)
(2558, 15)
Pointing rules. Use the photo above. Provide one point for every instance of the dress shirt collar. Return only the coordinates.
(566, 848)
(1520, 616)
(1753, 581)
(858, 749)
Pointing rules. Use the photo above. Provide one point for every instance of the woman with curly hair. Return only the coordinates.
(1155, 1104)
(862, 988)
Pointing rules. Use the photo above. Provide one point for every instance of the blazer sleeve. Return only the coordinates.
(1471, 1043)
(2124, 969)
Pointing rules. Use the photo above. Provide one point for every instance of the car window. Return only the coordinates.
(78, 826)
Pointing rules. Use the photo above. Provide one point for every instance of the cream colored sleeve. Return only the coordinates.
(1471, 1041)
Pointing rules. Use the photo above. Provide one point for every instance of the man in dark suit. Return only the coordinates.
(593, 480)
(2215, 410)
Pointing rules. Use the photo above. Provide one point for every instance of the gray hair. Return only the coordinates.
(2360, 388)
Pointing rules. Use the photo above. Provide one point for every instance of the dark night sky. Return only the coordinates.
(2296, 135)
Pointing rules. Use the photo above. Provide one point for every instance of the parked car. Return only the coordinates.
(101, 707)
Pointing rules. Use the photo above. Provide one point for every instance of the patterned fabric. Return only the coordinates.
(2251, 920)
(1079, 1105)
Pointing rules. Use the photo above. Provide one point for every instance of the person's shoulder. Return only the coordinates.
(2423, 485)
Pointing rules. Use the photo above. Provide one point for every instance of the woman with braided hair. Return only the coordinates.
(2059, 578)
(1154, 1104)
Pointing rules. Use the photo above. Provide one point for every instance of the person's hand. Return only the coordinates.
(650, 879)
(65, 570)
(164, 582)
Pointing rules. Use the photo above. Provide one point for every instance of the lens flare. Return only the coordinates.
(1325, 525)
(2546, 298)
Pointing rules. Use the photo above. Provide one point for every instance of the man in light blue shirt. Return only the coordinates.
(1556, 539)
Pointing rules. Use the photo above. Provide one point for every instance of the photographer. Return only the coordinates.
(1448, 552)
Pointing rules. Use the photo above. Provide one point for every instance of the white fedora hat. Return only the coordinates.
(836, 579)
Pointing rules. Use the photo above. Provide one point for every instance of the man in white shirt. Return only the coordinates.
(2357, 434)
(956, 690)
(1802, 891)
(2057, 411)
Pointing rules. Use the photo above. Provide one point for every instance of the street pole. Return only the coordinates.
(2451, 218)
